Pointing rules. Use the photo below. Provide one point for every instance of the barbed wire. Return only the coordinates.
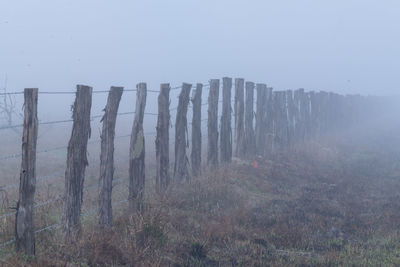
(61, 172)
(74, 92)
(47, 202)
(85, 214)
(71, 120)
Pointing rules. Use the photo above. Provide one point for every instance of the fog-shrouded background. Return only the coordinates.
(346, 46)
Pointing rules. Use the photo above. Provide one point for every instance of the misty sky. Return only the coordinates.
(346, 46)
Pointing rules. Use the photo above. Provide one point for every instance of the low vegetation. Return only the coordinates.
(320, 207)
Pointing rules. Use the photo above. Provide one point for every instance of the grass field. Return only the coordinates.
(324, 206)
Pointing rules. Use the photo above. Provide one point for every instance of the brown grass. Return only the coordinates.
(324, 206)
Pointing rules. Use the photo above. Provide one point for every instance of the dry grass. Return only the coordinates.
(321, 207)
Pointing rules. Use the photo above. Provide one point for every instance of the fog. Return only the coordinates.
(342, 46)
(279, 178)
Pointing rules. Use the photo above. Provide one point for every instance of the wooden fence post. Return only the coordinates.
(299, 115)
(269, 121)
(250, 146)
(290, 111)
(24, 223)
(76, 163)
(162, 139)
(107, 156)
(196, 131)
(314, 110)
(261, 123)
(239, 118)
(137, 153)
(226, 121)
(212, 124)
(181, 171)
(280, 121)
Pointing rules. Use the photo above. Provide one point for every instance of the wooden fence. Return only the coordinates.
(280, 121)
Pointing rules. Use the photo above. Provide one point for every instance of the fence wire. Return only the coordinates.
(61, 172)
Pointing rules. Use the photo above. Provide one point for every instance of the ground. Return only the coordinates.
(323, 206)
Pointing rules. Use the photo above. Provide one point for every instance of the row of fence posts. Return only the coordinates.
(282, 119)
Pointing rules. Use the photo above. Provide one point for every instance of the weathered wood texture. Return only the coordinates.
(269, 121)
(280, 121)
(290, 117)
(250, 143)
(261, 118)
(299, 115)
(181, 170)
(137, 154)
(76, 163)
(212, 124)
(24, 223)
(239, 118)
(196, 131)
(226, 121)
(314, 109)
(107, 155)
(162, 139)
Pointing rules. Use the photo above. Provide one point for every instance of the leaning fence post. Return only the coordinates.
(162, 139)
(226, 121)
(249, 117)
(107, 156)
(212, 123)
(196, 131)
(181, 171)
(76, 162)
(261, 123)
(239, 117)
(24, 223)
(137, 153)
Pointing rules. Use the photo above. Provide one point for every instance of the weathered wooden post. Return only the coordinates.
(226, 121)
(196, 131)
(107, 156)
(314, 114)
(137, 153)
(181, 171)
(280, 121)
(306, 103)
(24, 224)
(299, 115)
(290, 115)
(212, 124)
(239, 118)
(261, 123)
(269, 121)
(76, 163)
(250, 144)
(162, 139)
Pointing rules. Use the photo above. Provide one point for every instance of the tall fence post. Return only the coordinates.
(162, 139)
(269, 122)
(181, 171)
(261, 123)
(196, 131)
(107, 156)
(226, 121)
(239, 118)
(137, 153)
(280, 121)
(212, 124)
(290, 111)
(24, 223)
(76, 163)
(249, 117)
(299, 115)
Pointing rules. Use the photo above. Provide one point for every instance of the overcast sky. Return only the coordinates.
(348, 46)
